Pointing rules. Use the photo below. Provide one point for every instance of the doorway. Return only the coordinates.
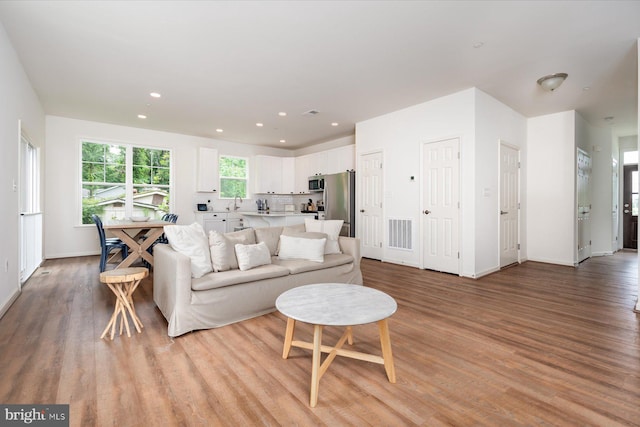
(441, 205)
(370, 196)
(584, 204)
(509, 204)
(630, 207)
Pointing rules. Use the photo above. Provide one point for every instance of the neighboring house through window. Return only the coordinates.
(233, 177)
(122, 180)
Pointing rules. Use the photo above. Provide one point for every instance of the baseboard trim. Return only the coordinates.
(9, 302)
(605, 253)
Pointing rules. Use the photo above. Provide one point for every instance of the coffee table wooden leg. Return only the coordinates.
(315, 364)
(288, 337)
(385, 342)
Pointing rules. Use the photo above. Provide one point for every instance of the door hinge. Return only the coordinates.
(518, 246)
(458, 205)
(518, 205)
(380, 244)
(458, 154)
(518, 165)
(458, 255)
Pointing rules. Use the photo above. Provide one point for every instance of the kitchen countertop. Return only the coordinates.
(279, 213)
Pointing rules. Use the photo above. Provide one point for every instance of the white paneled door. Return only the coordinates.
(584, 205)
(370, 214)
(509, 204)
(441, 205)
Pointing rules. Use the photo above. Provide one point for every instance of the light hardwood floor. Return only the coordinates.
(534, 344)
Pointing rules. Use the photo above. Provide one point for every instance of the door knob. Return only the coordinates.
(426, 212)
(626, 211)
(361, 210)
(503, 212)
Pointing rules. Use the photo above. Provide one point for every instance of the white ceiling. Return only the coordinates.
(230, 65)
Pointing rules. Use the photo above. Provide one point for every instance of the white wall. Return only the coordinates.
(495, 122)
(400, 136)
(19, 104)
(480, 122)
(327, 145)
(64, 236)
(550, 192)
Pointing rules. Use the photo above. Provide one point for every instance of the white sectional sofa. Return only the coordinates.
(221, 297)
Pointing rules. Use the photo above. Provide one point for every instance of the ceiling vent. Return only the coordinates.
(311, 113)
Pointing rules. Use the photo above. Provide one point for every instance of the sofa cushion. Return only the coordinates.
(234, 277)
(298, 230)
(331, 227)
(251, 256)
(294, 247)
(222, 246)
(191, 241)
(300, 265)
(269, 235)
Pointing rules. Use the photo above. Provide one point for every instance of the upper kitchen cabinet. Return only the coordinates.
(341, 159)
(274, 175)
(302, 172)
(318, 163)
(288, 175)
(207, 170)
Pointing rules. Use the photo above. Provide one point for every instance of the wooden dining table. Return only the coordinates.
(138, 236)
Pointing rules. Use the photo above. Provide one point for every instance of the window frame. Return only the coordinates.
(129, 184)
(221, 178)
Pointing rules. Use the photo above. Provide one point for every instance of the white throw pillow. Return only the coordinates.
(191, 241)
(292, 247)
(250, 256)
(223, 254)
(331, 228)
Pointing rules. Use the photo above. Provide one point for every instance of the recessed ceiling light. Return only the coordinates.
(283, 141)
(142, 116)
(282, 113)
(334, 124)
(586, 88)
(259, 125)
(478, 45)
(219, 130)
(155, 95)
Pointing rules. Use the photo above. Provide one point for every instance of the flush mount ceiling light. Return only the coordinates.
(155, 95)
(552, 81)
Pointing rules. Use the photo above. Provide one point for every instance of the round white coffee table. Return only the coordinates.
(336, 304)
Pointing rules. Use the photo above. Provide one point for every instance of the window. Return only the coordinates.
(630, 157)
(233, 177)
(121, 180)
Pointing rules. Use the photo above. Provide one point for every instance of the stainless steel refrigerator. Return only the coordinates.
(340, 201)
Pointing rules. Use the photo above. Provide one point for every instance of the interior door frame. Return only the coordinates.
(519, 214)
(359, 221)
(421, 224)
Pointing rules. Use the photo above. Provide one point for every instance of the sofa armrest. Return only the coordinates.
(350, 246)
(171, 279)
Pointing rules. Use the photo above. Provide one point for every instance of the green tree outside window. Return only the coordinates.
(233, 177)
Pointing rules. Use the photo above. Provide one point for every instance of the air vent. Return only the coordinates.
(400, 234)
(311, 113)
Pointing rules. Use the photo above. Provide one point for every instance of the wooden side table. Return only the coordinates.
(336, 304)
(123, 282)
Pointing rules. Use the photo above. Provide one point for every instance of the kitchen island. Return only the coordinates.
(274, 219)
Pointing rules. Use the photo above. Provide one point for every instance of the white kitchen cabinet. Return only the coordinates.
(212, 221)
(302, 175)
(318, 163)
(268, 174)
(341, 159)
(207, 170)
(288, 175)
(234, 220)
(274, 175)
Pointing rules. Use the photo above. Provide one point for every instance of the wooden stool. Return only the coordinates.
(123, 282)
